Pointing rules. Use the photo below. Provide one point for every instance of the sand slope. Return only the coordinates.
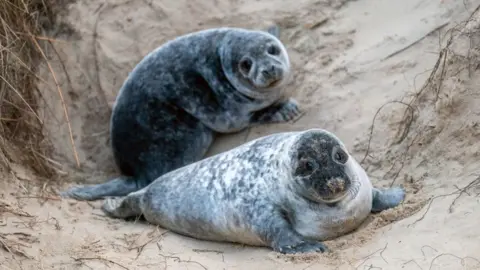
(349, 58)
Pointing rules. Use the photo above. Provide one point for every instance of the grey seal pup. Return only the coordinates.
(175, 101)
(288, 191)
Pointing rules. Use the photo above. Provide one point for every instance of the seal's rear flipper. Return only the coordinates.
(274, 30)
(120, 186)
(126, 207)
(387, 198)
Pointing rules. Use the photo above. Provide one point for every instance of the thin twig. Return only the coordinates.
(141, 247)
(428, 207)
(62, 64)
(207, 251)
(462, 260)
(21, 97)
(372, 126)
(95, 55)
(39, 197)
(462, 191)
(72, 141)
(371, 255)
(100, 259)
(415, 42)
(178, 259)
(404, 158)
(14, 251)
(412, 261)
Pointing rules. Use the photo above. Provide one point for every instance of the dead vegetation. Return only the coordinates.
(442, 104)
(446, 68)
(440, 119)
(23, 27)
(431, 116)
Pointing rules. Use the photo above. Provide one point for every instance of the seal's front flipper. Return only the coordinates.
(277, 113)
(387, 198)
(274, 30)
(125, 207)
(303, 247)
(279, 235)
(287, 241)
(120, 186)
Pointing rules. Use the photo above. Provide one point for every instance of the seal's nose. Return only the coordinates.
(269, 72)
(336, 185)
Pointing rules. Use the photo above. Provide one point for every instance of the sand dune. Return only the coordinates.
(357, 64)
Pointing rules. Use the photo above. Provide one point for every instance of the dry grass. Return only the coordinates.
(443, 69)
(22, 23)
(438, 119)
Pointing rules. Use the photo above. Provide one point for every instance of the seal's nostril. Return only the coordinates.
(269, 71)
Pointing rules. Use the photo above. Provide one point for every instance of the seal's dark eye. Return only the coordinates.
(246, 65)
(340, 156)
(273, 50)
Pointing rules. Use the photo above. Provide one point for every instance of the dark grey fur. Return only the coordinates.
(288, 191)
(180, 95)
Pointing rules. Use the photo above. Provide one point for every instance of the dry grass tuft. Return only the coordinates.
(22, 23)
(438, 121)
(433, 92)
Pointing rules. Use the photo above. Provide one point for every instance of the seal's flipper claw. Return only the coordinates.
(304, 247)
(282, 112)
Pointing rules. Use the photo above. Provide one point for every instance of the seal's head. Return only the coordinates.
(255, 62)
(321, 168)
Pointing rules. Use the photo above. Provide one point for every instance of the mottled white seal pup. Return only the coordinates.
(289, 191)
(180, 95)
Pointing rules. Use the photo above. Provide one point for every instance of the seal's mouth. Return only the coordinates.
(256, 95)
(334, 199)
(329, 200)
(269, 86)
(262, 92)
(334, 191)
(274, 83)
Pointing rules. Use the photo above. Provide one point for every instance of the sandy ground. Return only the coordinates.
(349, 60)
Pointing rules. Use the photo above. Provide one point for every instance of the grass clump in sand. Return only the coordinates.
(23, 24)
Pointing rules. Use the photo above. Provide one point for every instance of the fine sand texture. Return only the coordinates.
(397, 81)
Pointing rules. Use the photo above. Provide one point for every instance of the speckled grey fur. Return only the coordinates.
(181, 94)
(288, 191)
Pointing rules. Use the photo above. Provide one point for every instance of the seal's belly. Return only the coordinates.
(202, 220)
(211, 231)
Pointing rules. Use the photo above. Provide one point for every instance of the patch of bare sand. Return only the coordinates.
(348, 61)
